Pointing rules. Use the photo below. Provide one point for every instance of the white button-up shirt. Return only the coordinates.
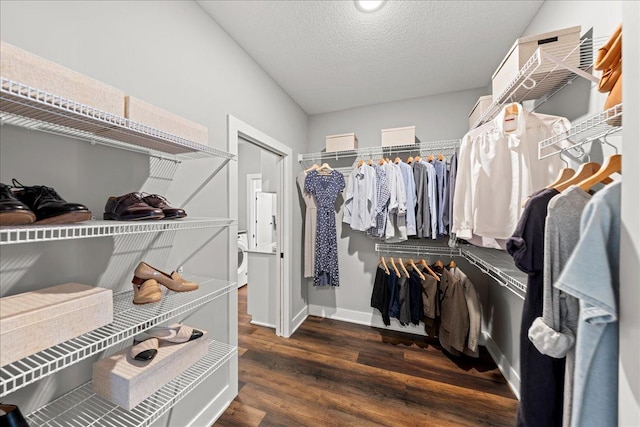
(361, 199)
(499, 169)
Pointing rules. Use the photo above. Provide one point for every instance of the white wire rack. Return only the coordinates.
(81, 407)
(548, 71)
(25, 106)
(598, 126)
(497, 264)
(99, 228)
(129, 320)
(445, 147)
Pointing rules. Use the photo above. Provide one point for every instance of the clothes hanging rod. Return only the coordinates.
(503, 279)
(422, 148)
(600, 125)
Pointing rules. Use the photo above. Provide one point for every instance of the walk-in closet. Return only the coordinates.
(319, 213)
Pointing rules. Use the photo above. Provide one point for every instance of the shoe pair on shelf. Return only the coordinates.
(20, 205)
(145, 345)
(140, 206)
(146, 284)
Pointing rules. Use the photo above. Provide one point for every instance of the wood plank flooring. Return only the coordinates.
(332, 373)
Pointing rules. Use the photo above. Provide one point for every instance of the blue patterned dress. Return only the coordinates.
(325, 188)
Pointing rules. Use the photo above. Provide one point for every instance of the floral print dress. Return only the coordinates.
(325, 188)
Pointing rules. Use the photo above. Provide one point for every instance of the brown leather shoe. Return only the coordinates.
(130, 207)
(157, 201)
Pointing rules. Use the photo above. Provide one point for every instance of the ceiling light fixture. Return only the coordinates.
(369, 5)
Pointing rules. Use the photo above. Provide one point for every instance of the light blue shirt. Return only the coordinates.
(592, 276)
(410, 188)
(433, 207)
(441, 187)
(361, 199)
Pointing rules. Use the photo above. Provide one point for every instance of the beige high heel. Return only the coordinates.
(146, 292)
(174, 281)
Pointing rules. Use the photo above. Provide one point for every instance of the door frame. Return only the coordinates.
(252, 179)
(236, 128)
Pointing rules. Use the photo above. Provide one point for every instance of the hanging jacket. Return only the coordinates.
(380, 295)
(394, 302)
(454, 314)
(415, 297)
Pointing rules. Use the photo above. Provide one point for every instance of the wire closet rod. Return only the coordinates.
(371, 152)
(503, 279)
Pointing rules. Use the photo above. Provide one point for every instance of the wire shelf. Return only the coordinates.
(497, 264)
(35, 109)
(604, 123)
(98, 228)
(446, 147)
(81, 407)
(129, 320)
(545, 74)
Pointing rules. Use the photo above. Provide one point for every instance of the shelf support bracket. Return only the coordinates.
(571, 68)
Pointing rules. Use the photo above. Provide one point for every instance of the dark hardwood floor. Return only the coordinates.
(332, 373)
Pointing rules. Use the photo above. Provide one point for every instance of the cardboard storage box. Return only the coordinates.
(33, 321)
(399, 136)
(127, 382)
(24, 67)
(558, 43)
(346, 141)
(155, 117)
(483, 103)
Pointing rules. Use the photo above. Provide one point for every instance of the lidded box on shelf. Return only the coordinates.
(342, 142)
(127, 382)
(33, 321)
(562, 44)
(155, 117)
(28, 69)
(482, 104)
(399, 136)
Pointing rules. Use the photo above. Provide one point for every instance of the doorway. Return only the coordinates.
(263, 209)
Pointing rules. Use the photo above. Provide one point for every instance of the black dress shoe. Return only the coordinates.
(10, 416)
(130, 207)
(12, 210)
(157, 201)
(48, 206)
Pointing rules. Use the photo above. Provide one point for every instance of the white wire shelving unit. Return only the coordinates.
(497, 264)
(445, 147)
(129, 320)
(600, 125)
(99, 228)
(81, 407)
(35, 109)
(548, 71)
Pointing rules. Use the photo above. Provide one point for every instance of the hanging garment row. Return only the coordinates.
(396, 200)
(497, 169)
(568, 243)
(442, 297)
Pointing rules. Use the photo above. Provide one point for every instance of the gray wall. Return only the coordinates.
(438, 117)
(173, 55)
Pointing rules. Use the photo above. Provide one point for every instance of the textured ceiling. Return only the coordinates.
(329, 56)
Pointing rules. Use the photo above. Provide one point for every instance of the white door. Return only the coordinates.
(266, 225)
(254, 185)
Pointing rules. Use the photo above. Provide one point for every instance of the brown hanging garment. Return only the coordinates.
(609, 61)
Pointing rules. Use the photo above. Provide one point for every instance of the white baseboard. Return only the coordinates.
(299, 318)
(363, 318)
(375, 319)
(266, 325)
(510, 374)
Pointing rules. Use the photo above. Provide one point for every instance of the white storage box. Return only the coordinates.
(127, 382)
(346, 141)
(399, 136)
(24, 67)
(33, 321)
(157, 118)
(483, 103)
(558, 43)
